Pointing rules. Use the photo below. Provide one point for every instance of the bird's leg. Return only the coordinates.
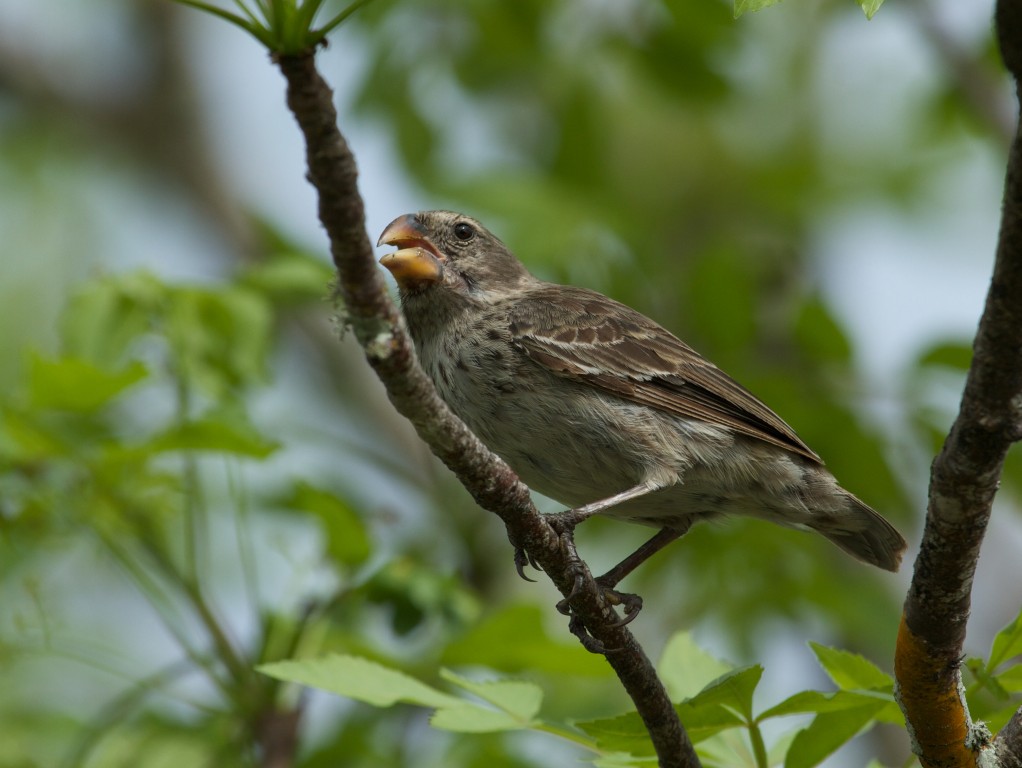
(631, 602)
(565, 523)
(661, 539)
(576, 625)
(568, 519)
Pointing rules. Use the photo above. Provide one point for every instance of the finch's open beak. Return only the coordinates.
(418, 260)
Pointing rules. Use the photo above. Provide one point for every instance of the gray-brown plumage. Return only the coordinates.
(600, 408)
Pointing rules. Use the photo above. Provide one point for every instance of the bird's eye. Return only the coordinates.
(464, 231)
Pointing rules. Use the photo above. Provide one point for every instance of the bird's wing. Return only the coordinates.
(585, 336)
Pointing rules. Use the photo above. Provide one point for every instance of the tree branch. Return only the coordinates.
(379, 329)
(963, 482)
(1008, 19)
(1008, 744)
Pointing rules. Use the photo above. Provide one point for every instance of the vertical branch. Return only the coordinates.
(378, 327)
(963, 482)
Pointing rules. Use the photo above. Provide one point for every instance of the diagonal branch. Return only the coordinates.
(379, 329)
(963, 482)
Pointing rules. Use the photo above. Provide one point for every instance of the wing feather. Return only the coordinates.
(583, 335)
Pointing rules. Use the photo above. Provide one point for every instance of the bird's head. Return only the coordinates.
(448, 250)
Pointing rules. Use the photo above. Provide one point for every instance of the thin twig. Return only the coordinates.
(163, 607)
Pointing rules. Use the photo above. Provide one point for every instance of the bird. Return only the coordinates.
(602, 409)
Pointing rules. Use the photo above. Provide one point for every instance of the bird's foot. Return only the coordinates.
(564, 522)
(632, 604)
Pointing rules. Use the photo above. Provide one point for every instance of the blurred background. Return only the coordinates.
(197, 475)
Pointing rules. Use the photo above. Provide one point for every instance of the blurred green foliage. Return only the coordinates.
(715, 699)
(195, 479)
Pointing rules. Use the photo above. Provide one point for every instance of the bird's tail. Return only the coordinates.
(864, 534)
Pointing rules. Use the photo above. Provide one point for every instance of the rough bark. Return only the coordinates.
(963, 483)
(378, 327)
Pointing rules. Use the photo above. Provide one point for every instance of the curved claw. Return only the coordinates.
(564, 605)
(564, 523)
(576, 587)
(532, 562)
(632, 603)
(522, 559)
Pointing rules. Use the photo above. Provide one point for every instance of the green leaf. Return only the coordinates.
(258, 32)
(624, 733)
(219, 337)
(620, 760)
(286, 27)
(819, 333)
(347, 538)
(1011, 678)
(827, 732)
(870, 7)
(416, 593)
(685, 668)
(215, 434)
(1007, 643)
(290, 278)
(25, 439)
(721, 293)
(986, 680)
(627, 733)
(104, 318)
(339, 19)
(471, 718)
(890, 713)
(364, 680)
(361, 679)
(518, 699)
(74, 384)
(517, 702)
(515, 639)
(733, 690)
(702, 721)
(850, 670)
(818, 702)
(741, 7)
(956, 355)
(997, 718)
(150, 741)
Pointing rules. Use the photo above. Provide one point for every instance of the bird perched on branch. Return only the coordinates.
(600, 408)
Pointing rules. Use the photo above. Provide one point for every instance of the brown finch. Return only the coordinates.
(598, 407)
